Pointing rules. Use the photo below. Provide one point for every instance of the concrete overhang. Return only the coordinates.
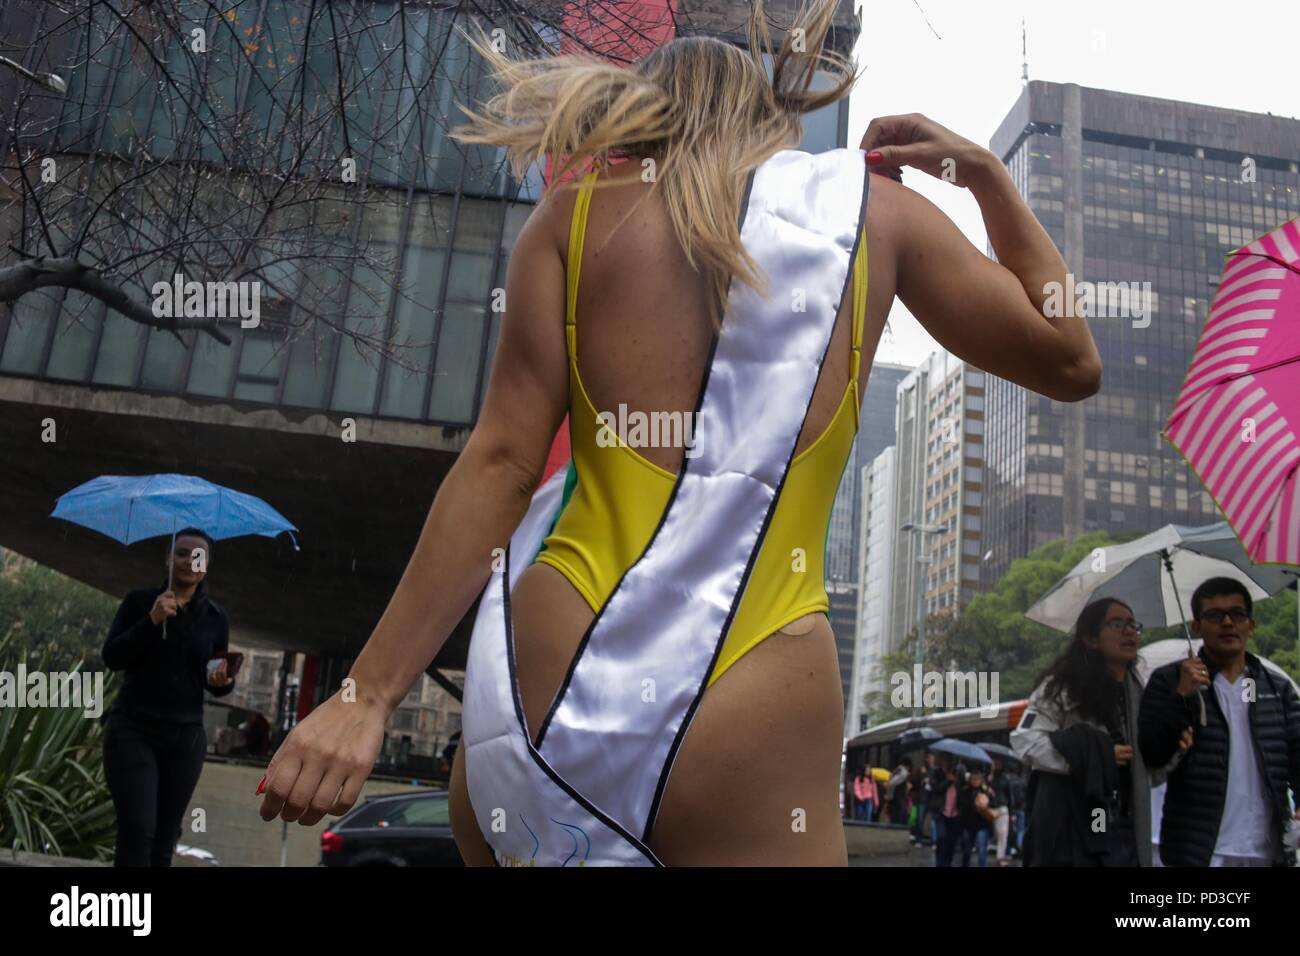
(359, 506)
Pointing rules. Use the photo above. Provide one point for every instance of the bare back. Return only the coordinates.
(757, 778)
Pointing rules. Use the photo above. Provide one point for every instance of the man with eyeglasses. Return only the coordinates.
(1226, 802)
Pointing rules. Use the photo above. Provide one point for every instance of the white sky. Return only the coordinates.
(1236, 55)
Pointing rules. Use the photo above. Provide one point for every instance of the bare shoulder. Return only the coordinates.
(888, 204)
(552, 214)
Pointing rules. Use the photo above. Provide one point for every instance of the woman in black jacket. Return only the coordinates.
(154, 741)
(1078, 734)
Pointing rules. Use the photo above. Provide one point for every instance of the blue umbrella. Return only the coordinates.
(959, 748)
(130, 508)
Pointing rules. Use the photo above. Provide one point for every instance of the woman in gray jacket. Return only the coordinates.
(1096, 811)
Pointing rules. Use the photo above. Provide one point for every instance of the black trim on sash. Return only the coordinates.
(699, 402)
(523, 726)
(682, 728)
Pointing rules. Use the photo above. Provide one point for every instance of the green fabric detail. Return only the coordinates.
(570, 482)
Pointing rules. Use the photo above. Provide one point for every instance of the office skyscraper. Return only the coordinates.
(875, 434)
(875, 576)
(1144, 197)
(938, 489)
(843, 535)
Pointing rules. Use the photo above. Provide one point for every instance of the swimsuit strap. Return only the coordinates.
(859, 313)
(573, 266)
(573, 270)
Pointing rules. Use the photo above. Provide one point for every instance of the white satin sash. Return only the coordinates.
(589, 792)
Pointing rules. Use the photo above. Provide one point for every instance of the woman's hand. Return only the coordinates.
(1123, 754)
(915, 140)
(322, 764)
(1186, 740)
(218, 677)
(164, 606)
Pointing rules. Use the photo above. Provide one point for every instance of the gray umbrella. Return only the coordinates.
(962, 749)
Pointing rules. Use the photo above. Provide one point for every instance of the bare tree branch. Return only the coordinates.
(45, 271)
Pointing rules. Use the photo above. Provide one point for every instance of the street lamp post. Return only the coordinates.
(50, 81)
(922, 561)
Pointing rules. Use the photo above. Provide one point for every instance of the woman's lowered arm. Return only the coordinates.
(322, 765)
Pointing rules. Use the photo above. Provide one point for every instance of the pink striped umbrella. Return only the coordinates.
(1237, 419)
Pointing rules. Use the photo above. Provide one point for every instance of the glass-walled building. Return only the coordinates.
(400, 237)
(378, 268)
(1151, 195)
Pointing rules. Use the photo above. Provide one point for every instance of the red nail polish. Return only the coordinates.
(874, 157)
(260, 787)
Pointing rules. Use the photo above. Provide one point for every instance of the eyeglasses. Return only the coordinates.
(1122, 623)
(1215, 615)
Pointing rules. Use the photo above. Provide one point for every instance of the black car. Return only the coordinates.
(397, 829)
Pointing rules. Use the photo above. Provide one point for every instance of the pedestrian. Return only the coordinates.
(863, 789)
(921, 799)
(947, 823)
(1078, 734)
(941, 778)
(900, 783)
(872, 800)
(999, 784)
(975, 816)
(154, 740)
(1017, 781)
(1226, 800)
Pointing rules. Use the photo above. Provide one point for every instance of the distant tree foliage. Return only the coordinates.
(46, 611)
(992, 633)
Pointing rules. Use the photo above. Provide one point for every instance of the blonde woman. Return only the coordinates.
(652, 676)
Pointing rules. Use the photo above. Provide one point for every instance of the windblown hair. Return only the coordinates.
(1079, 674)
(702, 110)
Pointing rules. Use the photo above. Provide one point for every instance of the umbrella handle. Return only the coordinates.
(171, 561)
(1169, 566)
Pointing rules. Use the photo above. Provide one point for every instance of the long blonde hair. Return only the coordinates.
(699, 113)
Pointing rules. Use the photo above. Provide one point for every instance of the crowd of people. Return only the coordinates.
(1218, 733)
(947, 805)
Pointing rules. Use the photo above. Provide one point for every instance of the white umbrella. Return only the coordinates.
(1158, 653)
(1155, 575)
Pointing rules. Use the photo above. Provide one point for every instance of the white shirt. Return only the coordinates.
(1245, 829)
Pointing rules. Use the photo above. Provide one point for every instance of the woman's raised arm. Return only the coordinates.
(988, 313)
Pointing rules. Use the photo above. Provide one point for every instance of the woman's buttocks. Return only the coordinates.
(763, 744)
(549, 618)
